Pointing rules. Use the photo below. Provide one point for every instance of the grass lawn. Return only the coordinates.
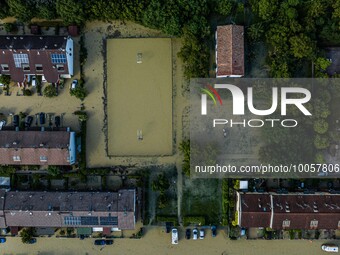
(202, 197)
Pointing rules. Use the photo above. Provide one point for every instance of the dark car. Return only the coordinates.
(103, 242)
(28, 121)
(16, 120)
(108, 242)
(168, 226)
(57, 121)
(42, 118)
(32, 241)
(188, 233)
(2, 240)
(99, 242)
(213, 231)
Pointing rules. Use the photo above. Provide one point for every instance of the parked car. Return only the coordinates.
(2, 240)
(108, 242)
(103, 242)
(57, 121)
(16, 120)
(330, 248)
(74, 84)
(32, 241)
(2, 124)
(213, 231)
(202, 234)
(42, 118)
(174, 236)
(188, 233)
(99, 242)
(194, 234)
(34, 81)
(28, 121)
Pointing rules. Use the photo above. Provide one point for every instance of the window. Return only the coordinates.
(314, 224)
(16, 158)
(58, 58)
(60, 68)
(71, 220)
(38, 68)
(43, 158)
(20, 59)
(286, 223)
(26, 67)
(5, 67)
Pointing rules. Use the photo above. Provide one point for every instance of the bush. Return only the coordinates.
(196, 220)
(27, 234)
(27, 92)
(10, 27)
(172, 219)
(184, 148)
(321, 126)
(50, 91)
(53, 171)
(79, 92)
(161, 184)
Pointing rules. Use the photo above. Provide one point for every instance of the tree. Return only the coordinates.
(301, 46)
(161, 184)
(321, 142)
(255, 31)
(321, 109)
(27, 234)
(321, 126)
(71, 11)
(79, 92)
(53, 170)
(50, 91)
(22, 9)
(184, 148)
(5, 79)
(46, 9)
(223, 7)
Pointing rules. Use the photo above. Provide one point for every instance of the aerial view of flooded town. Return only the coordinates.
(169, 127)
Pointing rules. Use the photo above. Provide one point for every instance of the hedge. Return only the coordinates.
(199, 220)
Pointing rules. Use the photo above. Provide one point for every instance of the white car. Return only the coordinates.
(202, 234)
(194, 234)
(2, 123)
(74, 84)
(330, 248)
(34, 81)
(174, 236)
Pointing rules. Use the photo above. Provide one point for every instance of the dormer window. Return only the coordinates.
(43, 159)
(16, 158)
(286, 224)
(314, 224)
(4, 67)
(26, 67)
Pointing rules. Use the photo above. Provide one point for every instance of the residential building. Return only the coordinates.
(37, 147)
(97, 210)
(288, 211)
(229, 51)
(50, 56)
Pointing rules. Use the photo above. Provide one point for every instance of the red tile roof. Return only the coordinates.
(229, 51)
(28, 146)
(289, 211)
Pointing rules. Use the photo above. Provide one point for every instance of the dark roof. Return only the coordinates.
(30, 145)
(299, 211)
(229, 50)
(31, 42)
(50, 209)
(73, 30)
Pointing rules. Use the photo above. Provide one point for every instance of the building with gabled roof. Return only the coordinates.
(229, 51)
(70, 209)
(24, 55)
(37, 147)
(289, 211)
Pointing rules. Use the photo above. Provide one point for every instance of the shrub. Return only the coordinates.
(27, 234)
(79, 92)
(27, 92)
(50, 91)
(10, 27)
